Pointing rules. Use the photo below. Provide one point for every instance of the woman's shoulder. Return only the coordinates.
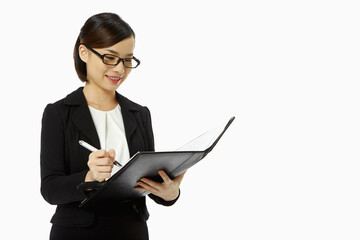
(61, 105)
(76, 97)
(130, 104)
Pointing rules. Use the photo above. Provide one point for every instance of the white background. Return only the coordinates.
(288, 168)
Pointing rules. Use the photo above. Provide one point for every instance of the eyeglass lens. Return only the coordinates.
(113, 60)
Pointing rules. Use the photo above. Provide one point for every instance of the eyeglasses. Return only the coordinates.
(114, 60)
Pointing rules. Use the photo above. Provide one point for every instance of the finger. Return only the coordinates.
(99, 153)
(105, 162)
(150, 183)
(145, 187)
(103, 169)
(141, 189)
(112, 153)
(164, 176)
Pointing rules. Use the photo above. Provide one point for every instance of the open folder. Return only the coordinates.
(120, 186)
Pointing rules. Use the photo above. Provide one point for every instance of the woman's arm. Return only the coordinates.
(58, 186)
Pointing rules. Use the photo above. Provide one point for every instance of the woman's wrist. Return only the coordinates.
(173, 197)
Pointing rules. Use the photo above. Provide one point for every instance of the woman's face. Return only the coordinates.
(107, 77)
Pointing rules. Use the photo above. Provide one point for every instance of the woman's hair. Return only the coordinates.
(100, 31)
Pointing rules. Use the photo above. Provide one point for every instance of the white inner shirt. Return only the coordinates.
(111, 131)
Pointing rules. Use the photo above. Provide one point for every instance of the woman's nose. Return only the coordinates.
(120, 67)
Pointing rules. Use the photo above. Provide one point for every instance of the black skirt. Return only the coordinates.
(125, 225)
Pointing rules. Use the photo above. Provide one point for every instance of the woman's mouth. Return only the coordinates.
(113, 79)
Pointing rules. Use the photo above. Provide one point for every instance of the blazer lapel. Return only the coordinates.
(132, 130)
(81, 116)
(83, 121)
(129, 122)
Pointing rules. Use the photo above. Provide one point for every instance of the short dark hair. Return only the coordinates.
(100, 31)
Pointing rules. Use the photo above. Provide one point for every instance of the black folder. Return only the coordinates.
(120, 186)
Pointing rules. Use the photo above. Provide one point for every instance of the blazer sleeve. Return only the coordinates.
(150, 140)
(58, 186)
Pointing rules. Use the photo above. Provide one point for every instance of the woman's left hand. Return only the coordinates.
(167, 190)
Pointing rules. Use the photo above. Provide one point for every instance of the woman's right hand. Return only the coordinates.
(100, 164)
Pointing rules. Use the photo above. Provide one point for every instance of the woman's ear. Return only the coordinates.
(83, 53)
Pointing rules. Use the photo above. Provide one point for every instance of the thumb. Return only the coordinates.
(111, 153)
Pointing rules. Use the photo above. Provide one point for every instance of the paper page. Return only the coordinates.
(202, 142)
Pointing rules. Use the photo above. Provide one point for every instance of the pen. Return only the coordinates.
(93, 149)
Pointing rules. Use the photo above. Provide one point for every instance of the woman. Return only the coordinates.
(97, 114)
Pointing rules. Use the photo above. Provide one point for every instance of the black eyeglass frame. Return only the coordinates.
(119, 58)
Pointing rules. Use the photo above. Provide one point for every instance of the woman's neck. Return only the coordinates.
(99, 98)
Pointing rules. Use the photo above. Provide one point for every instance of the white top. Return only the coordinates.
(111, 131)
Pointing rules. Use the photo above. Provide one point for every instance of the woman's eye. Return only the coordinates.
(110, 57)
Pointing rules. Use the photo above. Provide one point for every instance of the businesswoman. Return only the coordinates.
(99, 115)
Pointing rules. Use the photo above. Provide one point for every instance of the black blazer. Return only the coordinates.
(64, 162)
